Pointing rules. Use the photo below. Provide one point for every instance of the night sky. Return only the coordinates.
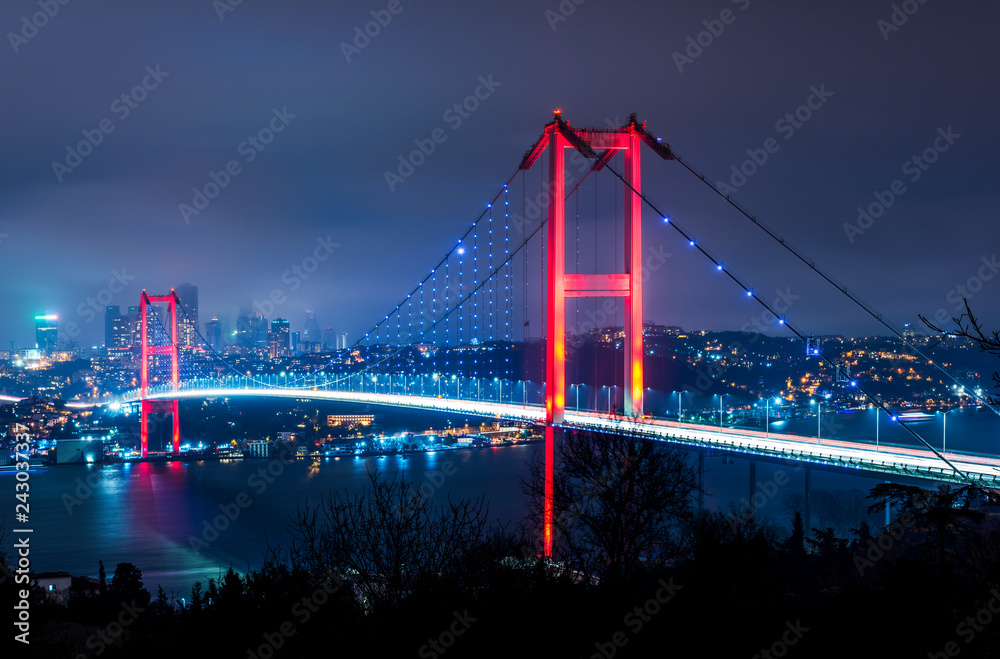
(884, 88)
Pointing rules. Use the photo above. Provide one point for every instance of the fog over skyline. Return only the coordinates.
(863, 133)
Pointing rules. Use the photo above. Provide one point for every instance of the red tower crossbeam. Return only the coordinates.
(159, 406)
(559, 135)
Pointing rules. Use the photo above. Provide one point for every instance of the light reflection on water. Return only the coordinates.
(149, 514)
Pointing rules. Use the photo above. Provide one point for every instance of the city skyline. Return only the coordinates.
(841, 150)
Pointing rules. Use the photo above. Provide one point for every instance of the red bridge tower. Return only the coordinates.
(159, 406)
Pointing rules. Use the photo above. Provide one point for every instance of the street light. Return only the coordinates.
(680, 397)
(944, 430)
(721, 396)
(876, 425)
(767, 414)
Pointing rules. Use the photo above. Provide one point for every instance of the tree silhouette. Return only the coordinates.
(969, 327)
(392, 540)
(126, 585)
(621, 503)
(795, 544)
(944, 514)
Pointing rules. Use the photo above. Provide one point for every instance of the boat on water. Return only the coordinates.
(915, 417)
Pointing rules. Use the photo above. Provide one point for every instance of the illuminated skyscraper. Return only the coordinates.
(46, 332)
(310, 331)
(188, 317)
(258, 329)
(135, 331)
(213, 334)
(278, 338)
(111, 316)
(121, 332)
(329, 339)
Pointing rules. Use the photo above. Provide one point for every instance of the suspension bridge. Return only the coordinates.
(503, 306)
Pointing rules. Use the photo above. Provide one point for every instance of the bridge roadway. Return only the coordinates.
(894, 460)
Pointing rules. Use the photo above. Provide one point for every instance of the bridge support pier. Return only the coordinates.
(164, 407)
(807, 522)
(548, 505)
(753, 490)
(600, 144)
(701, 479)
(148, 350)
(888, 510)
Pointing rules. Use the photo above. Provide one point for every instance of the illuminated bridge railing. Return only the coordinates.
(525, 393)
(896, 461)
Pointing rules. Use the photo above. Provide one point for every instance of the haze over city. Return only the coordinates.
(878, 130)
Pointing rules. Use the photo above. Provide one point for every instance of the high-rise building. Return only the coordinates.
(259, 331)
(111, 316)
(213, 334)
(121, 333)
(341, 342)
(296, 342)
(46, 332)
(135, 328)
(244, 333)
(187, 318)
(310, 330)
(278, 338)
(329, 339)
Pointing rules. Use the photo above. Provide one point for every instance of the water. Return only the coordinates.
(148, 513)
(968, 429)
(155, 514)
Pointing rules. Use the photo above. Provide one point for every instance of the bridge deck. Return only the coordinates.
(890, 460)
